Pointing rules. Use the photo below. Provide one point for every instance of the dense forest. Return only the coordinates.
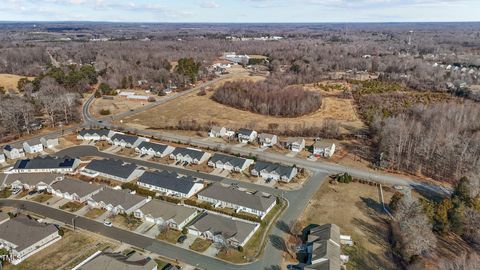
(267, 98)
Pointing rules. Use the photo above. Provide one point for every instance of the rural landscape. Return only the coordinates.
(253, 146)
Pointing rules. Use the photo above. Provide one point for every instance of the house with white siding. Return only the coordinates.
(29, 181)
(217, 131)
(218, 228)
(171, 184)
(47, 164)
(160, 213)
(273, 171)
(74, 190)
(95, 134)
(14, 151)
(296, 144)
(117, 201)
(246, 135)
(189, 155)
(229, 163)
(112, 169)
(49, 141)
(154, 149)
(126, 141)
(257, 203)
(324, 148)
(23, 236)
(33, 146)
(267, 140)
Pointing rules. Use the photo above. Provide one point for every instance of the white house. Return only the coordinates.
(2, 158)
(229, 163)
(258, 203)
(49, 142)
(267, 140)
(13, 151)
(170, 184)
(29, 181)
(33, 146)
(46, 164)
(296, 144)
(246, 135)
(117, 201)
(128, 141)
(23, 237)
(160, 213)
(273, 171)
(323, 148)
(154, 149)
(216, 131)
(189, 155)
(218, 228)
(74, 190)
(95, 134)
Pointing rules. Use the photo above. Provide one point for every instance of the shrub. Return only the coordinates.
(105, 112)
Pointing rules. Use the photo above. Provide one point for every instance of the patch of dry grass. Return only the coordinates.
(200, 245)
(10, 81)
(94, 213)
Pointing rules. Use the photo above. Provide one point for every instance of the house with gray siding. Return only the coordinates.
(189, 155)
(154, 149)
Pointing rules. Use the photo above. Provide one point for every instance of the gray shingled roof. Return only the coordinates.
(263, 136)
(124, 137)
(228, 227)
(25, 232)
(30, 179)
(166, 211)
(232, 195)
(75, 186)
(112, 167)
(46, 162)
(99, 132)
(118, 261)
(168, 180)
(193, 153)
(245, 132)
(234, 161)
(157, 147)
(272, 167)
(118, 197)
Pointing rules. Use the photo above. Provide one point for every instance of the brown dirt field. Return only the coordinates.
(69, 251)
(203, 110)
(10, 81)
(119, 104)
(357, 210)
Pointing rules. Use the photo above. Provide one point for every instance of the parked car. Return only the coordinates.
(32, 192)
(107, 223)
(181, 239)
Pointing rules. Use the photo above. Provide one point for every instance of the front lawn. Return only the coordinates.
(200, 245)
(5, 193)
(72, 206)
(94, 213)
(126, 221)
(41, 198)
(169, 236)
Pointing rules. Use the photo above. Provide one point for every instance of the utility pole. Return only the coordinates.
(73, 222)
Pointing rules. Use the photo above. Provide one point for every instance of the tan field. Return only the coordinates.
(356, 208)
(203, 110)
(10, 81)
(119, 104)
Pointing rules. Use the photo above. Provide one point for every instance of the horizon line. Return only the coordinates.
(246, 22)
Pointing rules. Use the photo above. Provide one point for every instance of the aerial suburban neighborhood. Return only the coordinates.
(249, 135)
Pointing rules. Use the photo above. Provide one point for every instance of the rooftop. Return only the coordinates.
(100, 132)
(118, 197)
(46, 162)
(24, 232)
(193, 153)
(272, 167)
(30, 179)
(75, 186)
(126, 138)
(167, 211)
(168, 180)
(118, 261)
(112, 167)
(157, 147)
(232, 160)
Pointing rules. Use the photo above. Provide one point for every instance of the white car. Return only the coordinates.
(107, 223)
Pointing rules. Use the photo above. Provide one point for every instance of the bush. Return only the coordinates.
(105, 112)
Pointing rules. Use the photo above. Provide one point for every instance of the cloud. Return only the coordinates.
(209, 4)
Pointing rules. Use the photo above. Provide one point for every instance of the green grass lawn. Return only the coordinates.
(200, 245)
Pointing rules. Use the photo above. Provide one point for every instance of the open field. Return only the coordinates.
(119, 104)
(10, 81)
(64, 254)
(204, 110)
(356, 208)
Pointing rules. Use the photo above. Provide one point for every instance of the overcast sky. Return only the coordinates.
(240, 10)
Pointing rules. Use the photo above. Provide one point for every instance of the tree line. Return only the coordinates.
(267, 98)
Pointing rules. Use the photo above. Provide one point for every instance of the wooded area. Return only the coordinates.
(268, 98)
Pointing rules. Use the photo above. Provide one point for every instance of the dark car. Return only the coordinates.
(32, 192)
(182, 239)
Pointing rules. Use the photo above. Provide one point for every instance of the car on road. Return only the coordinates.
(181, 239)
(107, 223)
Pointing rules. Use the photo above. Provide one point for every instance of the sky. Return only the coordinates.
(241, 10)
